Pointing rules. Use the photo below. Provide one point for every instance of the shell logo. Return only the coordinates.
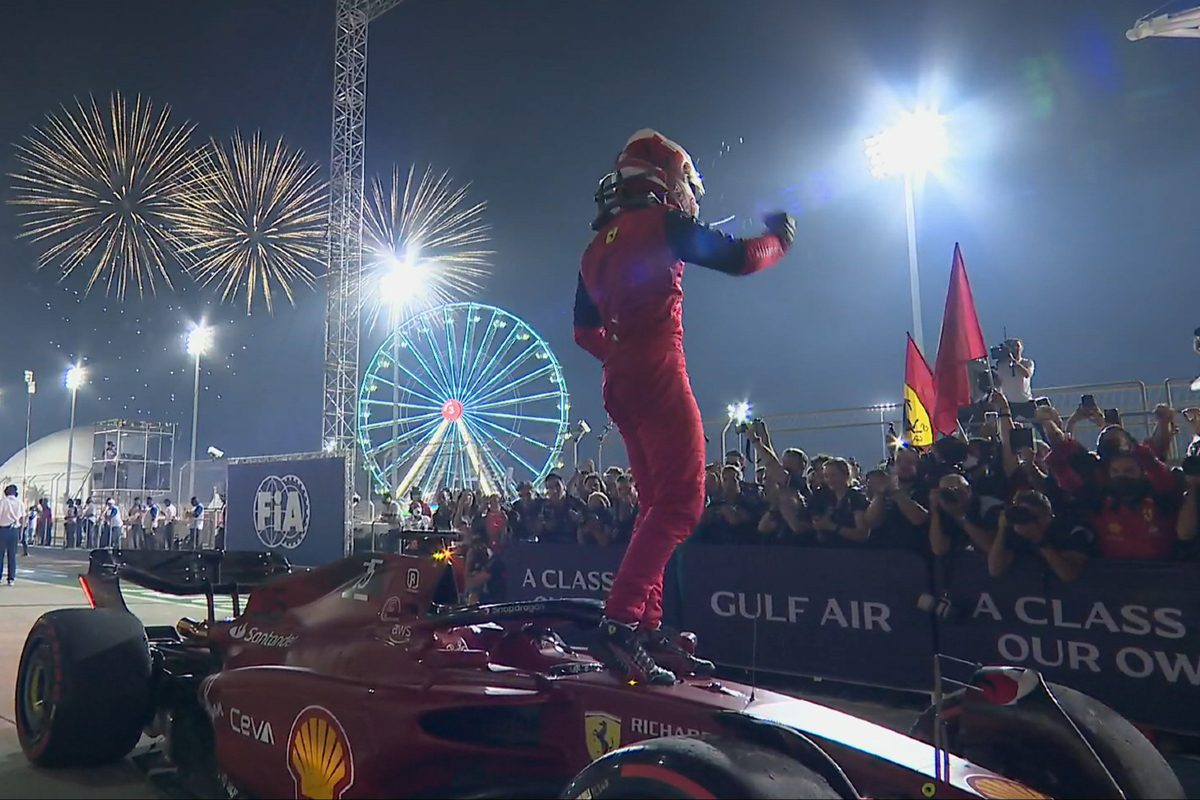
(1002, 788)
(319, 755)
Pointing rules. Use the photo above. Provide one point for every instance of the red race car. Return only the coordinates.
(364, 678)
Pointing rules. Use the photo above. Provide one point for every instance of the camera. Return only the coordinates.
(1191, 465)
(941, 607)
(744, 426)
(1002, 352)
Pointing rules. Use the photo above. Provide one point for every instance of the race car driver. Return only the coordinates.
(628, 314)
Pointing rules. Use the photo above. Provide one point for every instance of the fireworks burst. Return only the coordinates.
(101, 189)
(423, 243)
(255, 217)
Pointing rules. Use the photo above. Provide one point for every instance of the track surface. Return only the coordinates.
(48, 579)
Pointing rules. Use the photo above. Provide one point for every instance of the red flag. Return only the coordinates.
(961, 342)
(918, 397)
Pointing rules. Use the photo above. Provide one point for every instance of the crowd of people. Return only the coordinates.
(1003, 493)
(88, 524)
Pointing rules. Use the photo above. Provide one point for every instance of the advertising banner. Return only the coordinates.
(845, 614)
(290, 505)
(1125, 632)
(536, 571)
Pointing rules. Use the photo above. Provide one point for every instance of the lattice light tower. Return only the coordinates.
(339, 425)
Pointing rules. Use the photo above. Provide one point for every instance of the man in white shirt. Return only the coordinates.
(89, 523)
(170, 513)
(11, 517)
(1014, 377)
(110, 535)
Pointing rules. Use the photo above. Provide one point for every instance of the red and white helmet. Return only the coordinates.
(654, 163)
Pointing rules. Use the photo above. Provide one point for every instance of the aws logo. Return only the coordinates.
(319, 755)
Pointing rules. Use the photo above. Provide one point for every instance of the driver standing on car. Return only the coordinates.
(628, 314)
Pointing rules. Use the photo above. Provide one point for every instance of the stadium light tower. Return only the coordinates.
(339, 426)
(74, 378)
(199, 342)
(1180, 25)
(914, 146)
(30, 391)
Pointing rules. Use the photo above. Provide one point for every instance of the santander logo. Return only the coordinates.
(261, 638)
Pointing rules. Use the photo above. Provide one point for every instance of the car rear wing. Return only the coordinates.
(206, 573)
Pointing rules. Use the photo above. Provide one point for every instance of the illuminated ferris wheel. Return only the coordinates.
(462, 395)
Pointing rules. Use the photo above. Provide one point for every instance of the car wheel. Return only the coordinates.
(706, 766)
(1010, 741)
(83, 690)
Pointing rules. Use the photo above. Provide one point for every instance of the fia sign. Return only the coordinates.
(281, 511)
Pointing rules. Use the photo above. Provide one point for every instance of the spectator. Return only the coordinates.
(111, 525)
(88, 534)
(151, 520)
(733, 512)
(611, 476)
(389, 515)
(786, 520)
(839, 512)
(11, 516)
(625, 509)
(525, 512)
(466, 511)
(492, 524)
(137, 533)
(597, 525)
(169, 514)
(737, 459)
(1029, 529)
(46, 524)
(195, 524)
(417, 506)
(899, 511)
(70, 525)
(31, 527)
(957, 518)
(560, 514)
(443, 514)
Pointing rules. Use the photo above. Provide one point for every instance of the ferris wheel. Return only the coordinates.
(462, 395)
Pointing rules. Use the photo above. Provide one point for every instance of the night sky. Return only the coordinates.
(1072, 189)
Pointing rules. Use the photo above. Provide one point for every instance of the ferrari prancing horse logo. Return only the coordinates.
(603, 733)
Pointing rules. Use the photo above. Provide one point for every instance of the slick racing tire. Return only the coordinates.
(1010, 741)
(706, 766)
(83, 690)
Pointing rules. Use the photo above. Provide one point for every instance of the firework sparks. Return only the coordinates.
(100, 189)
(423, 243)
(255, 217)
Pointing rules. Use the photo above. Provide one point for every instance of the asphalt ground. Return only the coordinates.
(48, 579)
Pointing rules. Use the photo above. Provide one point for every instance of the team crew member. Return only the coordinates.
(11, 516)
(628, 314)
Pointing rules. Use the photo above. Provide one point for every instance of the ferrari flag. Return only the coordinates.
(918, 397)
(961, 342)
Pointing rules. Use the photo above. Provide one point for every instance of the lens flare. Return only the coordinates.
(100, 189)
(255, 219)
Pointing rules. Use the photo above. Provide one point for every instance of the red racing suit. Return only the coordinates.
(629, 315)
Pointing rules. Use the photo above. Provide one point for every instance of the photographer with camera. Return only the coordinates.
(1030, 528)
(957, 518)
(1013, 375)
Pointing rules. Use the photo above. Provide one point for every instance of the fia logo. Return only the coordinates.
(281, 511)
(413, 580)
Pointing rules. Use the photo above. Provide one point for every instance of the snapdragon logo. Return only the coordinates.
(281, 511)
(260, 637)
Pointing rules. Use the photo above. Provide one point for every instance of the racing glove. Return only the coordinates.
(783, 225)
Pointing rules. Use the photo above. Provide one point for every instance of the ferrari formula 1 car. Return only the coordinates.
(364, 678)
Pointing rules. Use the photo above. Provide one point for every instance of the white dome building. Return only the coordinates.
(47, 466)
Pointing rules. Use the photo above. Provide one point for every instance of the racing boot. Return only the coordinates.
(675, 651)
(619, 648)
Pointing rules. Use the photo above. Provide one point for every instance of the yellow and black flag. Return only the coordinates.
(918, 397)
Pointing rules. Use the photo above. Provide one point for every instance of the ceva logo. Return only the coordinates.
(281, 511)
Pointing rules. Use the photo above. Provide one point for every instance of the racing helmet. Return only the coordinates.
(652, 164)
